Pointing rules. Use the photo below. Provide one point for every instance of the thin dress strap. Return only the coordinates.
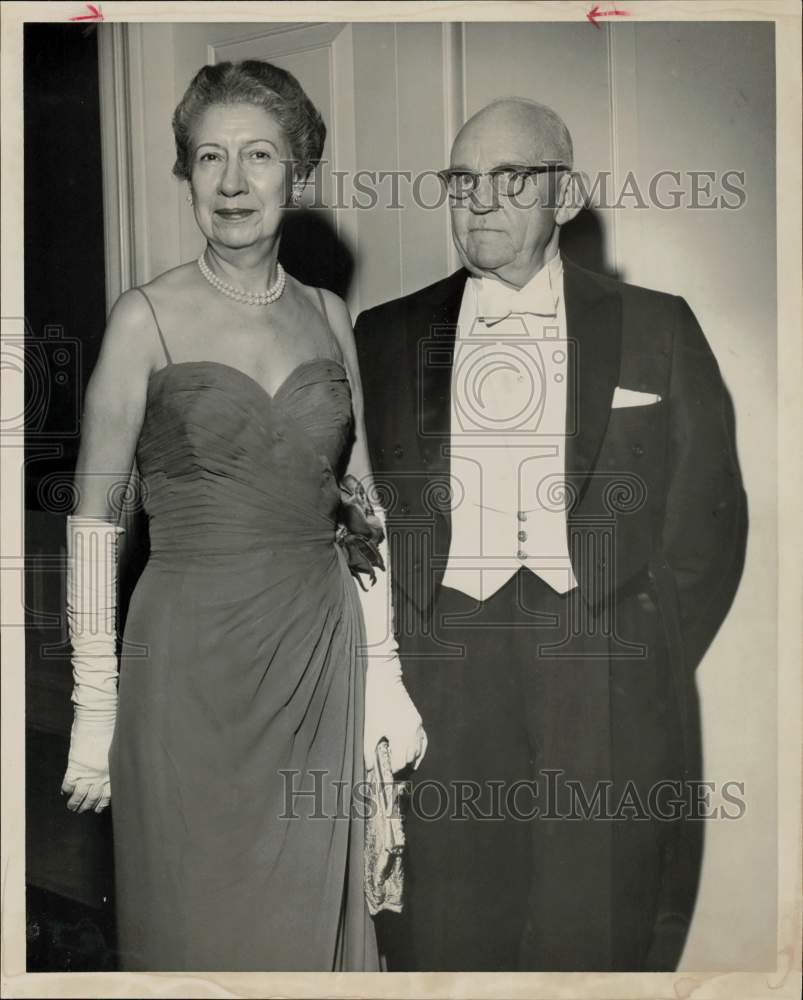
(335, 342)
(323, 304)
(158, 328)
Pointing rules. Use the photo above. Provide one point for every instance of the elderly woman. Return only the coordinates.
(245, 714)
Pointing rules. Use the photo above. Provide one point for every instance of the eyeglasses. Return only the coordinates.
(508, 180)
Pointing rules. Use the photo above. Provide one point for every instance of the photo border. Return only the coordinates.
(779, 982)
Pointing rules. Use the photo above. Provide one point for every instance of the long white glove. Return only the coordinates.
(92, 558)
(389, 711)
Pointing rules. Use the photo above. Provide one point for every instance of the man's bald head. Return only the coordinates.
(539, 125)
(507, 235)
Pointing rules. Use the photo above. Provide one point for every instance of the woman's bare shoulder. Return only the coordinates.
(336, 312)
(312, 294)
(131, 329)
(336, 309)
(339, 318)
(183, 278)
(333, 301)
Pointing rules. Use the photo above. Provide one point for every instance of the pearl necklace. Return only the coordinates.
(239, 294)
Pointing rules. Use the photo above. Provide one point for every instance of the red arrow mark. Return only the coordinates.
(95, 14)
(595, 13)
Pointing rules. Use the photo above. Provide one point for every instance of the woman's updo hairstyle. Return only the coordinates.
(251, 82)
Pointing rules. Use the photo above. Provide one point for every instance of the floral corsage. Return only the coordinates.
(359, 532)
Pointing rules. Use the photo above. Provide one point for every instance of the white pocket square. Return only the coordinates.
(631, 397)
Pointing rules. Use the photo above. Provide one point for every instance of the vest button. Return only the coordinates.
(521, 554)
(521, 515)
(398, 451)
(522, 536)
(405, 508)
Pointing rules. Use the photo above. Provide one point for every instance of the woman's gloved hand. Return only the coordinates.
(389, 710)
(92, 557)
(391, 714)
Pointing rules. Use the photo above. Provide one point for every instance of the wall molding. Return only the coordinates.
(344, 144)
(285, 39)
(116, 159)
(626, 232)
(455, 111)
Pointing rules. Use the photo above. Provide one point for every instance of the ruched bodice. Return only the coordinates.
(213, 437)
(240, 683)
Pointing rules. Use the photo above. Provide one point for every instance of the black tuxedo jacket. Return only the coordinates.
(656, 529)
(657, 506)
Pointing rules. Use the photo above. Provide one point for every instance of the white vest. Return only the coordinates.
(508, 435)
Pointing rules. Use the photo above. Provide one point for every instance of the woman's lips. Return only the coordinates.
(234, 214)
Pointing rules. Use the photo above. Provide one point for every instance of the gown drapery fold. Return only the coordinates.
(239, 732)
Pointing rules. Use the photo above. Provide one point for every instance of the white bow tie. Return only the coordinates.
(496, 301)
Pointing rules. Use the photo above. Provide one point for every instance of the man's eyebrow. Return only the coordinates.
(504, 165)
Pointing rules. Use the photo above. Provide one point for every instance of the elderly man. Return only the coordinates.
(566, 523)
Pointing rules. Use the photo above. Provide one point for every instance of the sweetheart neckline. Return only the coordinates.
(271, 397)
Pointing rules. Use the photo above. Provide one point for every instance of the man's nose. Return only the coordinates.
(233, 181)
(484, 197)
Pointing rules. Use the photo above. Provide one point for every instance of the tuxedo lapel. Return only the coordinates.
(593, 322)
(431, 327)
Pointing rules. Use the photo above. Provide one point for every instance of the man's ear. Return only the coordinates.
(570, 198)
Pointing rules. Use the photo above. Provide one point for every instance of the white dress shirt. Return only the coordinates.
(508, 434)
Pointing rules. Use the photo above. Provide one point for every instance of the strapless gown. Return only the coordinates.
(239, 731)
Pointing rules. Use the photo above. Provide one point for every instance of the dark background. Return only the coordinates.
(68, 857)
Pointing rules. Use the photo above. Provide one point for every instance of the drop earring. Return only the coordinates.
(189, 197)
